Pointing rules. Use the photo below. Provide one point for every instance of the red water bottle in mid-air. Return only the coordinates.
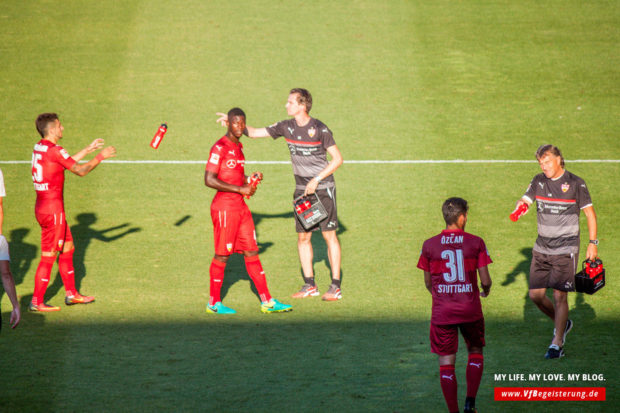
(519, 212)
(159, 136)
(254, 181)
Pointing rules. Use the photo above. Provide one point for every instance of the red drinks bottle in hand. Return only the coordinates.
(254, 181)
(519, 212)
(159, 136)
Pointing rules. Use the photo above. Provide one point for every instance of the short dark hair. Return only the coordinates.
(453, 208)
(43, 122)
(303, 97)
(552, 149)
(235, 112)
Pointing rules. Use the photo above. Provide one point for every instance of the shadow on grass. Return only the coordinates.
(83, 234)
(283, 363)
(23, 254)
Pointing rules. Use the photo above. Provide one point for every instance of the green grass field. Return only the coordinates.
(395, 80)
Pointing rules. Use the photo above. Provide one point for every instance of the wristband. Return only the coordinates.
(316, 178)
(594, 241)
(99, 157)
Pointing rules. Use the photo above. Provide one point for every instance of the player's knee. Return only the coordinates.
(5, 269)
(330, 236)
(560, 297)
(304, 238)
(221, 258)
(537, 295)
(474, 350)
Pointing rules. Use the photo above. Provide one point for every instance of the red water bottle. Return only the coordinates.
(159, 136)
(594, 268)
(254, 181)
(519, 212)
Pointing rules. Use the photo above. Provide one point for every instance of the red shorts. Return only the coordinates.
(233, 230)
(54, 231)
(445, 338)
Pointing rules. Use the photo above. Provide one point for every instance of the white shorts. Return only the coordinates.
(4, 249)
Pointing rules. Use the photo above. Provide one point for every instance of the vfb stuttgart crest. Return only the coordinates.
(311, 132)
(565, 187)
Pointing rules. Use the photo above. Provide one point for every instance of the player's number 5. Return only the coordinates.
(454, 264)
(37, 169)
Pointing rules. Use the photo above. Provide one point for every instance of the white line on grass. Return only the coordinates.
(369, 161)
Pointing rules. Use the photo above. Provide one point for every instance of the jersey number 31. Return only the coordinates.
(454, 264)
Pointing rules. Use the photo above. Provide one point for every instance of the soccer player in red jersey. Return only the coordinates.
(450, 261)
(49, 161)
(309, 141)
(233, 227)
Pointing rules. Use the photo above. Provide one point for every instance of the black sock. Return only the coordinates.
(309, 281)
(336, 283)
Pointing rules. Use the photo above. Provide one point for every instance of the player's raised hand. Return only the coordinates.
(95, 145)
(108, 152)
(223, 119)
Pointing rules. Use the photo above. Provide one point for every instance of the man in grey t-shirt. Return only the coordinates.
(309, 141)
(560, 196)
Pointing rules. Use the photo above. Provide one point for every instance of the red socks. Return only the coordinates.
(67, 273)
(256, 273)
(473, 373)
(447, 378)
(42, 279)
(216, 274)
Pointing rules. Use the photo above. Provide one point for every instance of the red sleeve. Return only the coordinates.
(483, 255)
(423, 262)
(60, 155)
(215, 159)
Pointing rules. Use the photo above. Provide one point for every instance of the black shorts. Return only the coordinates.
(328, 199)
(553, 271)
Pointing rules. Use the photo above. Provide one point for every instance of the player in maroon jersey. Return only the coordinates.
(49, 161)
(450, 261)
(233, 227)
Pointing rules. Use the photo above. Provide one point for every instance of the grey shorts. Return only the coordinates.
(328, 199)
(553, 271)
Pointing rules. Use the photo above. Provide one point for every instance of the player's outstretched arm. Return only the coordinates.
(212, 181)
(250, 131)
(9, 286)
(485, 281)
(94, 146)
(84, 169)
